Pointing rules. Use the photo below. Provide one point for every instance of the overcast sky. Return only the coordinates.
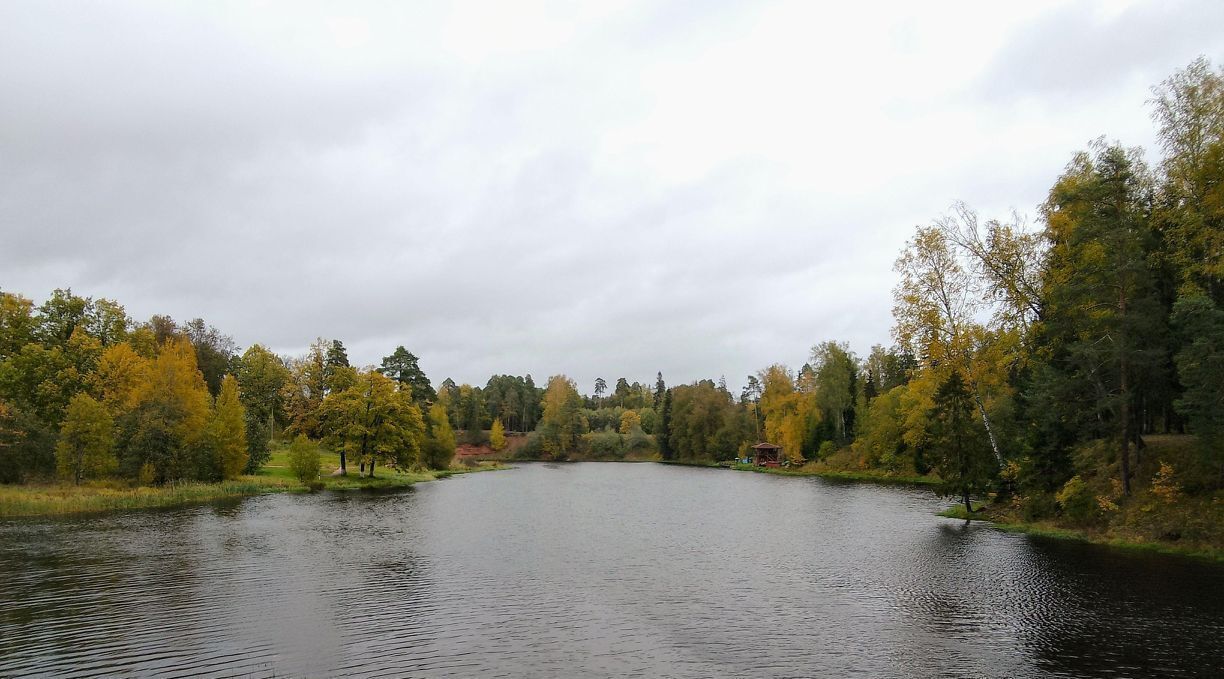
(596, 189)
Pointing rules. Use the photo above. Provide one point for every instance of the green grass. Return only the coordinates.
(869, 476)
(1047, 529)
(275, 477)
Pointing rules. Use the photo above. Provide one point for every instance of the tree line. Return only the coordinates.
(1016, 348)
(88, 393)
(1031, 362)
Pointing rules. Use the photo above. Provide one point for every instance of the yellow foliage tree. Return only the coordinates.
(497, 436)
(629, 421)
(789, 412)
(119, 378)
(936, 306)
(227, 430)
(86, 446)
(173, 410)
(562, 423)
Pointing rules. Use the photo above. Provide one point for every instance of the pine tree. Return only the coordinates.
(663, 433)
(960, 450)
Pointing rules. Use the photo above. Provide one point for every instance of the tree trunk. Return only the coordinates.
(1126, 425)
(371, 468)
(994, 444)
(965, 499)
(343, 467)
(1124, 390)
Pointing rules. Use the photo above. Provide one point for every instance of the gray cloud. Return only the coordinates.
(1079, 50)
(696, 189)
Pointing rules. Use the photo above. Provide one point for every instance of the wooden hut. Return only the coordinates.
(767, 455)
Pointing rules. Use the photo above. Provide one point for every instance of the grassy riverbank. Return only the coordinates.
(274, 477)
(1174, 507)
(863, 475)
(1095, 535)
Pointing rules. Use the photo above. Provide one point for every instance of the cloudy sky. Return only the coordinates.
(599, 189)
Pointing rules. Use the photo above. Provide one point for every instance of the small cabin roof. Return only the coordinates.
(767, 446)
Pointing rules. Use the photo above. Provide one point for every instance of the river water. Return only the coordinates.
(592, 570)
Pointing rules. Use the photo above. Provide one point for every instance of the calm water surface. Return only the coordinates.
(592, 570)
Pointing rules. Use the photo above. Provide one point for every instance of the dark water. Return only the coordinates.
(592, 570)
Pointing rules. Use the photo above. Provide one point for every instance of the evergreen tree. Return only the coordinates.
(403, 367)
(1103, 322)
(959, 449)
(663, 431)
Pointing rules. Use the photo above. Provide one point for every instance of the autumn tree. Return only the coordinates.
(375, 421)
(1189, 110)
(119, 378)
(60, 316)
(86, 446)
(936, 307)
(227, 430)
(304, 393)
(1006, 260)
(789, 414)
(17, 323)
(166, 428)
(629, 421)
(497, 436)
(562, 423)
(440, 441)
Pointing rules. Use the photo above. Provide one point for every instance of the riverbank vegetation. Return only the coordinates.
(1068, 373)
(301, 466)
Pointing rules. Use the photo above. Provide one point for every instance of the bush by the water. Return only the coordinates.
(304, 459)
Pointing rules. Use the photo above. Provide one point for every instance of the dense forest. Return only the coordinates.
(1031, 364)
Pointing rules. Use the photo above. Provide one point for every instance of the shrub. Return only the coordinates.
(603, 444)
(1077, 500)
(436, 454)
(304, 459)
(638, 442)
(1163, 485)
(532, 448)
(1037, 505)
(147, 474)
(826, 449)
